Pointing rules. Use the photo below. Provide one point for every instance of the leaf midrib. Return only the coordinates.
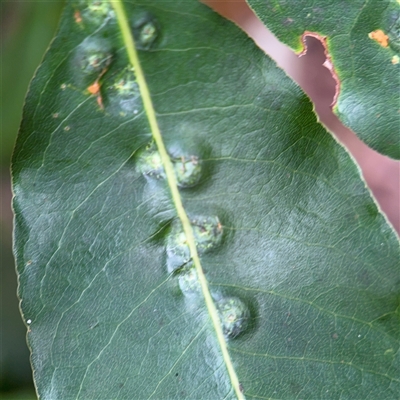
(171, 180)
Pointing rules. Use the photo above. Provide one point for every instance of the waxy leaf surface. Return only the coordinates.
(301, 266)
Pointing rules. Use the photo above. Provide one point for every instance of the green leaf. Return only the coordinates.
(362, 40)
(184, 226)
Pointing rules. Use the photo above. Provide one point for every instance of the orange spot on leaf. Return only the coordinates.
(380, 37)
(94, 88)
(77, 17)
(100, 101)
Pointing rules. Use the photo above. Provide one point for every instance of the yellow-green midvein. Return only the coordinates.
(170, 176)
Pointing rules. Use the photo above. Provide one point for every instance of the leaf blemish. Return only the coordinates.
(96, 10)
(77, 17)
(145, 30)
(92, 58)
(124, 93)
(189, 283)
(234, 316)
(207, 233)
(95, 88)
(188, 169)
(150, 163)
(380, 37)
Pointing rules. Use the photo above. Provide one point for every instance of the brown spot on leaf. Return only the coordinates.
(77, 17)
(380, 37)
(100, 102)
(94, 88)
(395, 60)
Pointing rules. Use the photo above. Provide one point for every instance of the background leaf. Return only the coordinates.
(26, 30)
(367, 68)
(304, 246)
